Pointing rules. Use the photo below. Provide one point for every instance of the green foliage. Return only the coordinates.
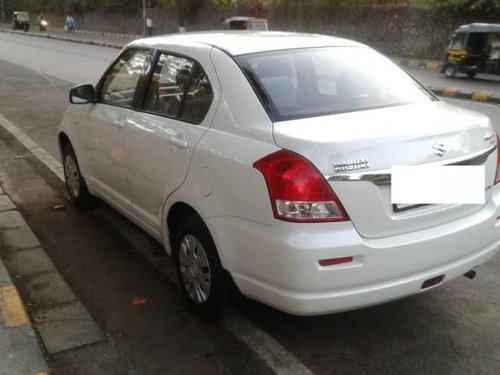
(224, 3)
(468, 5)
(166, 3)
(191, 6)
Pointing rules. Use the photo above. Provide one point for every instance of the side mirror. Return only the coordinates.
(82, 94)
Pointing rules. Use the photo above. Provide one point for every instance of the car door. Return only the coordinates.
(159, 142)
(101, 131)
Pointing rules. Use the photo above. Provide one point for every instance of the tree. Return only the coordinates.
(468, 5)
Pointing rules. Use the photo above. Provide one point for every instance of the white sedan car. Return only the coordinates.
(264, 159)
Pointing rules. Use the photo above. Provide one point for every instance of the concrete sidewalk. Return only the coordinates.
(60, 319)
(20, 352)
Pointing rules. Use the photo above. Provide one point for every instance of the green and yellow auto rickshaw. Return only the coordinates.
(473, 49)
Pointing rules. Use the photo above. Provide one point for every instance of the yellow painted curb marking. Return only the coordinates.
(413, 63)
(432, 65)
(481, 96)
(12, 308)
(450, 91)
(41, 373)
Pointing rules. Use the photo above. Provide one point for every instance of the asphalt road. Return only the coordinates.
(454, 329)
(72, 62)
(485, 82)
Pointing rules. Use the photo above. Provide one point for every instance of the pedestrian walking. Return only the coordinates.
(70, 23)
(149, 26)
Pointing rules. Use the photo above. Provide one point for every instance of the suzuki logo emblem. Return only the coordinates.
(439, 149)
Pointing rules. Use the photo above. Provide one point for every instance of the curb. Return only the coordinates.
(58, 316)
(20, 351)
(419, 63)
(102, 33)
(478, 95)
(6, 27)
(66, 39)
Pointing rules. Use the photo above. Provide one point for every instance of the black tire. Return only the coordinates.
(450, 70)
(193, 237)
(471, 75)
(75, 183)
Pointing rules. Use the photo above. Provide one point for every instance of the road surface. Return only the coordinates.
(107, 261)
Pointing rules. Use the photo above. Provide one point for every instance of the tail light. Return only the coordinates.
(297, 189)
(497, 176)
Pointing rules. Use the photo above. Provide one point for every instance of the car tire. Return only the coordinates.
(75, 183)
(450, 71)
(471, 75)
(199, 268)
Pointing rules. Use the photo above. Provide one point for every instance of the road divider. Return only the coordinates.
(68, 39)
(419, 63)
(475, 95)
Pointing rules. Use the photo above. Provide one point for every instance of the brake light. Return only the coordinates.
(297, 189)
(497, 176)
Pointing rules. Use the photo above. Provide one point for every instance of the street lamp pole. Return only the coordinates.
(143, 17)
(1, 10)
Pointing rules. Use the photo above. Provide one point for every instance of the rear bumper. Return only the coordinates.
(278, 264)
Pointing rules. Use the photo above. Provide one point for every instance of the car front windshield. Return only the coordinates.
(319, 81)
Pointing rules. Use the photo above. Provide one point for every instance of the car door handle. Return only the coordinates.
(118, 124)
(178, 142)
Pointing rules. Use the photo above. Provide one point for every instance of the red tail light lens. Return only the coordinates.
(297, 189)
(497, 176)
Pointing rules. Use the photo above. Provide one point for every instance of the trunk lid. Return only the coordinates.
(345, 146)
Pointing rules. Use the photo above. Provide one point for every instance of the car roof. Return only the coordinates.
(240, 42)
(479, 27)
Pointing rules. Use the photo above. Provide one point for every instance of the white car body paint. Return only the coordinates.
(275, 261)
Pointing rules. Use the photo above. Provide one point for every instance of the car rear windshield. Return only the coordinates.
(319, 81)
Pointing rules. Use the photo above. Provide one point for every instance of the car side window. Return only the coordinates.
(168, 84)
(179, 88)
(119, 85)
(198, 97)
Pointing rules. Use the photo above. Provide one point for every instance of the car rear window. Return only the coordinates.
(319, 81)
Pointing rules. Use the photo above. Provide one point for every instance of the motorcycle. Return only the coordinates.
(42, 25)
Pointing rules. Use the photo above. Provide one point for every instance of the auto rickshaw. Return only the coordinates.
(473, 49)
(20, 20)
(246, 23)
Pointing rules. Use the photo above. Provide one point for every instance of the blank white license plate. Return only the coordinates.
(451, 184)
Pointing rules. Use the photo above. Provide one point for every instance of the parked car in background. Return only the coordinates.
(246, 23)
(264, 159)
(20, 21)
